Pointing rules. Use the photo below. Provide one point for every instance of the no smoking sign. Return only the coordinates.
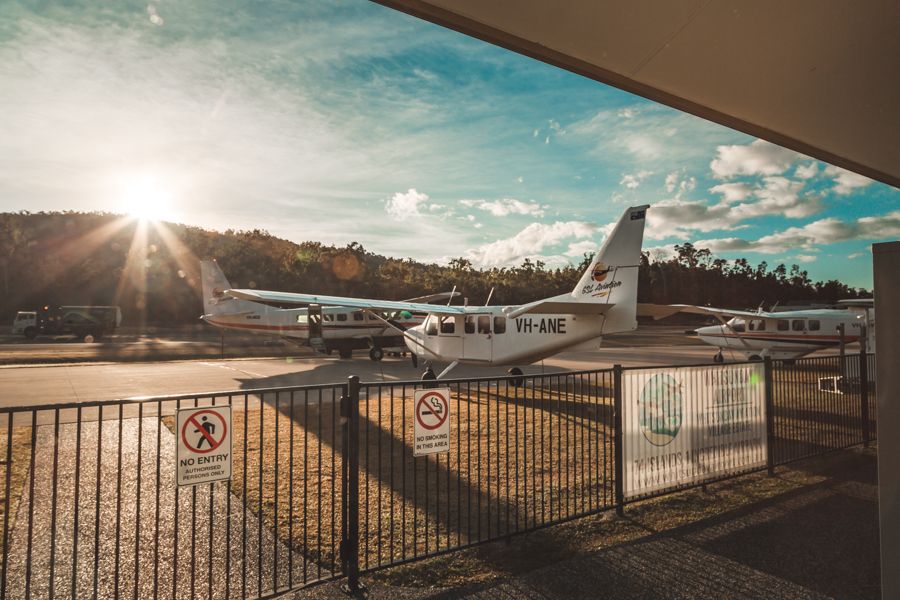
(431, 425)
(203, 453)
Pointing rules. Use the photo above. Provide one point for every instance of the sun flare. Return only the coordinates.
(144, 196)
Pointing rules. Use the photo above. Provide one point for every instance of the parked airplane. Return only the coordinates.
(603, 301)
(341, 329)
(783, 334)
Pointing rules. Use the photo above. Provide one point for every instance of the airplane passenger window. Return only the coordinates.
(357, 316)
(783, 325)
(484, 324)
(342, 317)
(470, 324)
(798, 325)
(757, 325)
(499, 324)
(814, 325)
(302, 319)
(431, 326)
(448, 325)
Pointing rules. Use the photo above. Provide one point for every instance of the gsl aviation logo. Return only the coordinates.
(600, 272)
(661, 404)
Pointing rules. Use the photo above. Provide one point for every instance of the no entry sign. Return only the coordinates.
(431, 426)
(203, 452)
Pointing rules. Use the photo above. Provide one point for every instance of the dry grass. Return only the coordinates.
(16, 471)
(516, 461)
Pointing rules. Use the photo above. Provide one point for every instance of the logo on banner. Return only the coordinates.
(661, 408)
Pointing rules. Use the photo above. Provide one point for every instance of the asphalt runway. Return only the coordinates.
(55, 384)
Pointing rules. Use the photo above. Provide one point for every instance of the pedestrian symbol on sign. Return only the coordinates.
(204, 431)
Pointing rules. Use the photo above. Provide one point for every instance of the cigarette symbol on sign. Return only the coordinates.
(432, 410)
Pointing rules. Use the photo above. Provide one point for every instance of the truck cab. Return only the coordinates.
(25, 324)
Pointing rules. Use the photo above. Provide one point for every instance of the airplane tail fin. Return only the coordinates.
(612, 277)
(214, 284)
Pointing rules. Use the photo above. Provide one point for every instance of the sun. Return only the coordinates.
(146, 196)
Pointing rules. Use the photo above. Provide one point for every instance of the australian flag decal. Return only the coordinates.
(638, 214)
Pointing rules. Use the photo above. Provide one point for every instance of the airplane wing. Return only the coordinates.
(361, 303)
(434, 297)
(660, 311)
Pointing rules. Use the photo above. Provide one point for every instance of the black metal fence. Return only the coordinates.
(325, 482)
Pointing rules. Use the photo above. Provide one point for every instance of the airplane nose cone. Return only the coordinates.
(709, 330)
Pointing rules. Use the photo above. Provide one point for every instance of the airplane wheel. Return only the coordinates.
(88, 338)
(718, 358)
(345, 353)
(518, 378)
(31, 332)
(376, 354)
(429, 377)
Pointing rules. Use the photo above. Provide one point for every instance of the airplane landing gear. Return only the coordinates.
(376, 354)
(415, 361)
(718, 358)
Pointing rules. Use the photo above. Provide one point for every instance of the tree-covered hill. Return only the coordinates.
(152, 271)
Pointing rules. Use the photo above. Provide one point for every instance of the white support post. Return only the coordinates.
(887, 350)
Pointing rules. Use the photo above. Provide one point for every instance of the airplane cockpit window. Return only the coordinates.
(357, 316)
(431, 325)
(798, 325)
(328, 318)
(737, 325)
(484, 324)
(814, 325)
(448, 325)
(499, 324)
(783, 324)
(470, 324)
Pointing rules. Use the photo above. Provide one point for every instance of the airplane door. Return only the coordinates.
(479, 342)
(314, 314)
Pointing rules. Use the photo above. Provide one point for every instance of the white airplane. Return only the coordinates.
(782, 335)
(604, 301)
(337, 328)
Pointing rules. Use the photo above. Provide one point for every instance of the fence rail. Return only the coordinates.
(326, 484)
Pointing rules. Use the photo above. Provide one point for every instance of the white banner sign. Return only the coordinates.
(203, 451)
(431, 422)
(686, 425)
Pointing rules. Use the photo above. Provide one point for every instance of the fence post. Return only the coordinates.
(617, 437)
(864, 385)
(770, 414)
(350, 524)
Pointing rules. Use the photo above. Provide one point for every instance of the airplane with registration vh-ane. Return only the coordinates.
(337, 328)
(603, 301)
(785, 334)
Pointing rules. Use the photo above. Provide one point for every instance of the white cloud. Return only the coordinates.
(812, 235)
(627, 113)
(845, 182)
(506, 206)
(633, 180)
(806, 258)
(806, 171)
(579, 249)
(671, 181)
(757, 158)
(675, 218)
(529, 243)
(733, 192)
(405, 205)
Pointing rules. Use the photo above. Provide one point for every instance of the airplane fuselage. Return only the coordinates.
(791, 335)
(485, 335)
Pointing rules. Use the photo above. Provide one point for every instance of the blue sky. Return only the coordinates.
(346, 121)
